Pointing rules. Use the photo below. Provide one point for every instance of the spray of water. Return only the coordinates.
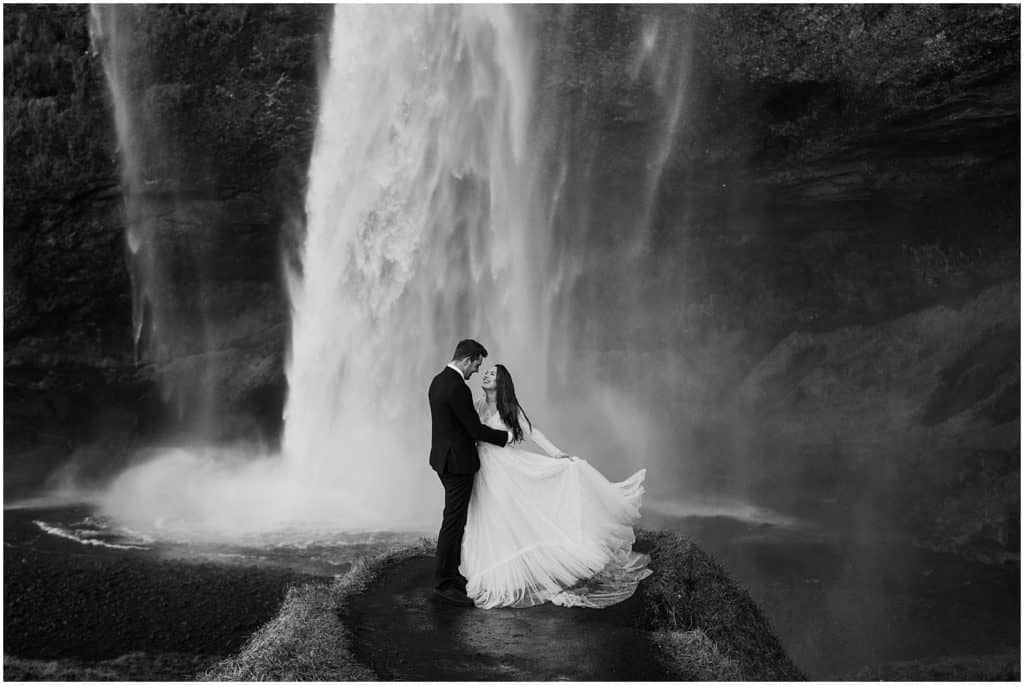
(441, 204)
(170, 322)
(422, 228)
(419, 233)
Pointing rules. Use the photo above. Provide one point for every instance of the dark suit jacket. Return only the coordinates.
(455, 426)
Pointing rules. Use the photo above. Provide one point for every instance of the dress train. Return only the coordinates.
(549, 530)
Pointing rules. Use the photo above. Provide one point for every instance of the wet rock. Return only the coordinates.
(401, 633)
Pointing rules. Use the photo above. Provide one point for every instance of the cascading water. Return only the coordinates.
(441, 205)
(420, 231)
(165, 261)
(605, 288)
(114, 43)
(424, 226)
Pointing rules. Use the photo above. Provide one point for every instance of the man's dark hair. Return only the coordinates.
(468, 349)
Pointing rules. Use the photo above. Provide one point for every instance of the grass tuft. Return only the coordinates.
(307, 640)
(691, 593)
(691, 652)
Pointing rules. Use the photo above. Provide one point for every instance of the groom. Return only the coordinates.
(455, 428)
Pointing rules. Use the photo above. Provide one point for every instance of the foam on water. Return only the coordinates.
(699, 507)
(87, 535)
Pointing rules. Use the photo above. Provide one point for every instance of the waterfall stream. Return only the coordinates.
(442, 203)
(421, 230)
(165, 236)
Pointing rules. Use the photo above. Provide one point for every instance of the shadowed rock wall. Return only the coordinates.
(234, 92)
(829, 280)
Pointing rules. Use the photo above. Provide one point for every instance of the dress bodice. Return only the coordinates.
(530, 432)
(492, 419)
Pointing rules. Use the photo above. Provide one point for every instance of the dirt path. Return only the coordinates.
(403, 633)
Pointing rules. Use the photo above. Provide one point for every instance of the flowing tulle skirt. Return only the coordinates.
(550, 530)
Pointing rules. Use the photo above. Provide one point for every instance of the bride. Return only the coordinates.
(545, 528)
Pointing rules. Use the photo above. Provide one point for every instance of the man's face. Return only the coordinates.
(472, 366)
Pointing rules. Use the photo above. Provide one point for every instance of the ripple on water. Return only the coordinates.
(319, 552)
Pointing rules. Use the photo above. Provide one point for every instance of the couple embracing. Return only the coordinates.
(522, 528)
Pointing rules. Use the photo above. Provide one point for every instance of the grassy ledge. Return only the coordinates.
(707, 627)
(307, 640)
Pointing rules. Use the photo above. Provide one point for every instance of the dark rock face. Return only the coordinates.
(64, 275)
(823, 202)
(231, 95)
(833, 165)
(828, 281)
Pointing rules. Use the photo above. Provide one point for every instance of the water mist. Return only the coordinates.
(422, 228)
(163, 235)
(419, 233)
(442, 204)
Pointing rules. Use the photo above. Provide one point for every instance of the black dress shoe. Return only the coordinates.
(453, 596)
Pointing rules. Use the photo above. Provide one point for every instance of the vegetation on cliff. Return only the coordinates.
(703, 620)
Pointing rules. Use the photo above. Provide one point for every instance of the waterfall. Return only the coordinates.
(421, 230)
(163, 234)
(114, 43)
(443, 203)
(425, 224)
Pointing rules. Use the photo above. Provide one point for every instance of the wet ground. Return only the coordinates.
(403, 633)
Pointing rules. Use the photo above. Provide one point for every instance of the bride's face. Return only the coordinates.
(489, 378)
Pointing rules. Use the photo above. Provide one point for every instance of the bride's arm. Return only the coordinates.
(531, 432)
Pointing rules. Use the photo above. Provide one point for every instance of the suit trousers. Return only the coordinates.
(457, 491)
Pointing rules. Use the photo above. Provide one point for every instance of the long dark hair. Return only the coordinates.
(509, 408)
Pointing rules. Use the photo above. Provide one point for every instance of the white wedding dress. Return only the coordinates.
(549, 530)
